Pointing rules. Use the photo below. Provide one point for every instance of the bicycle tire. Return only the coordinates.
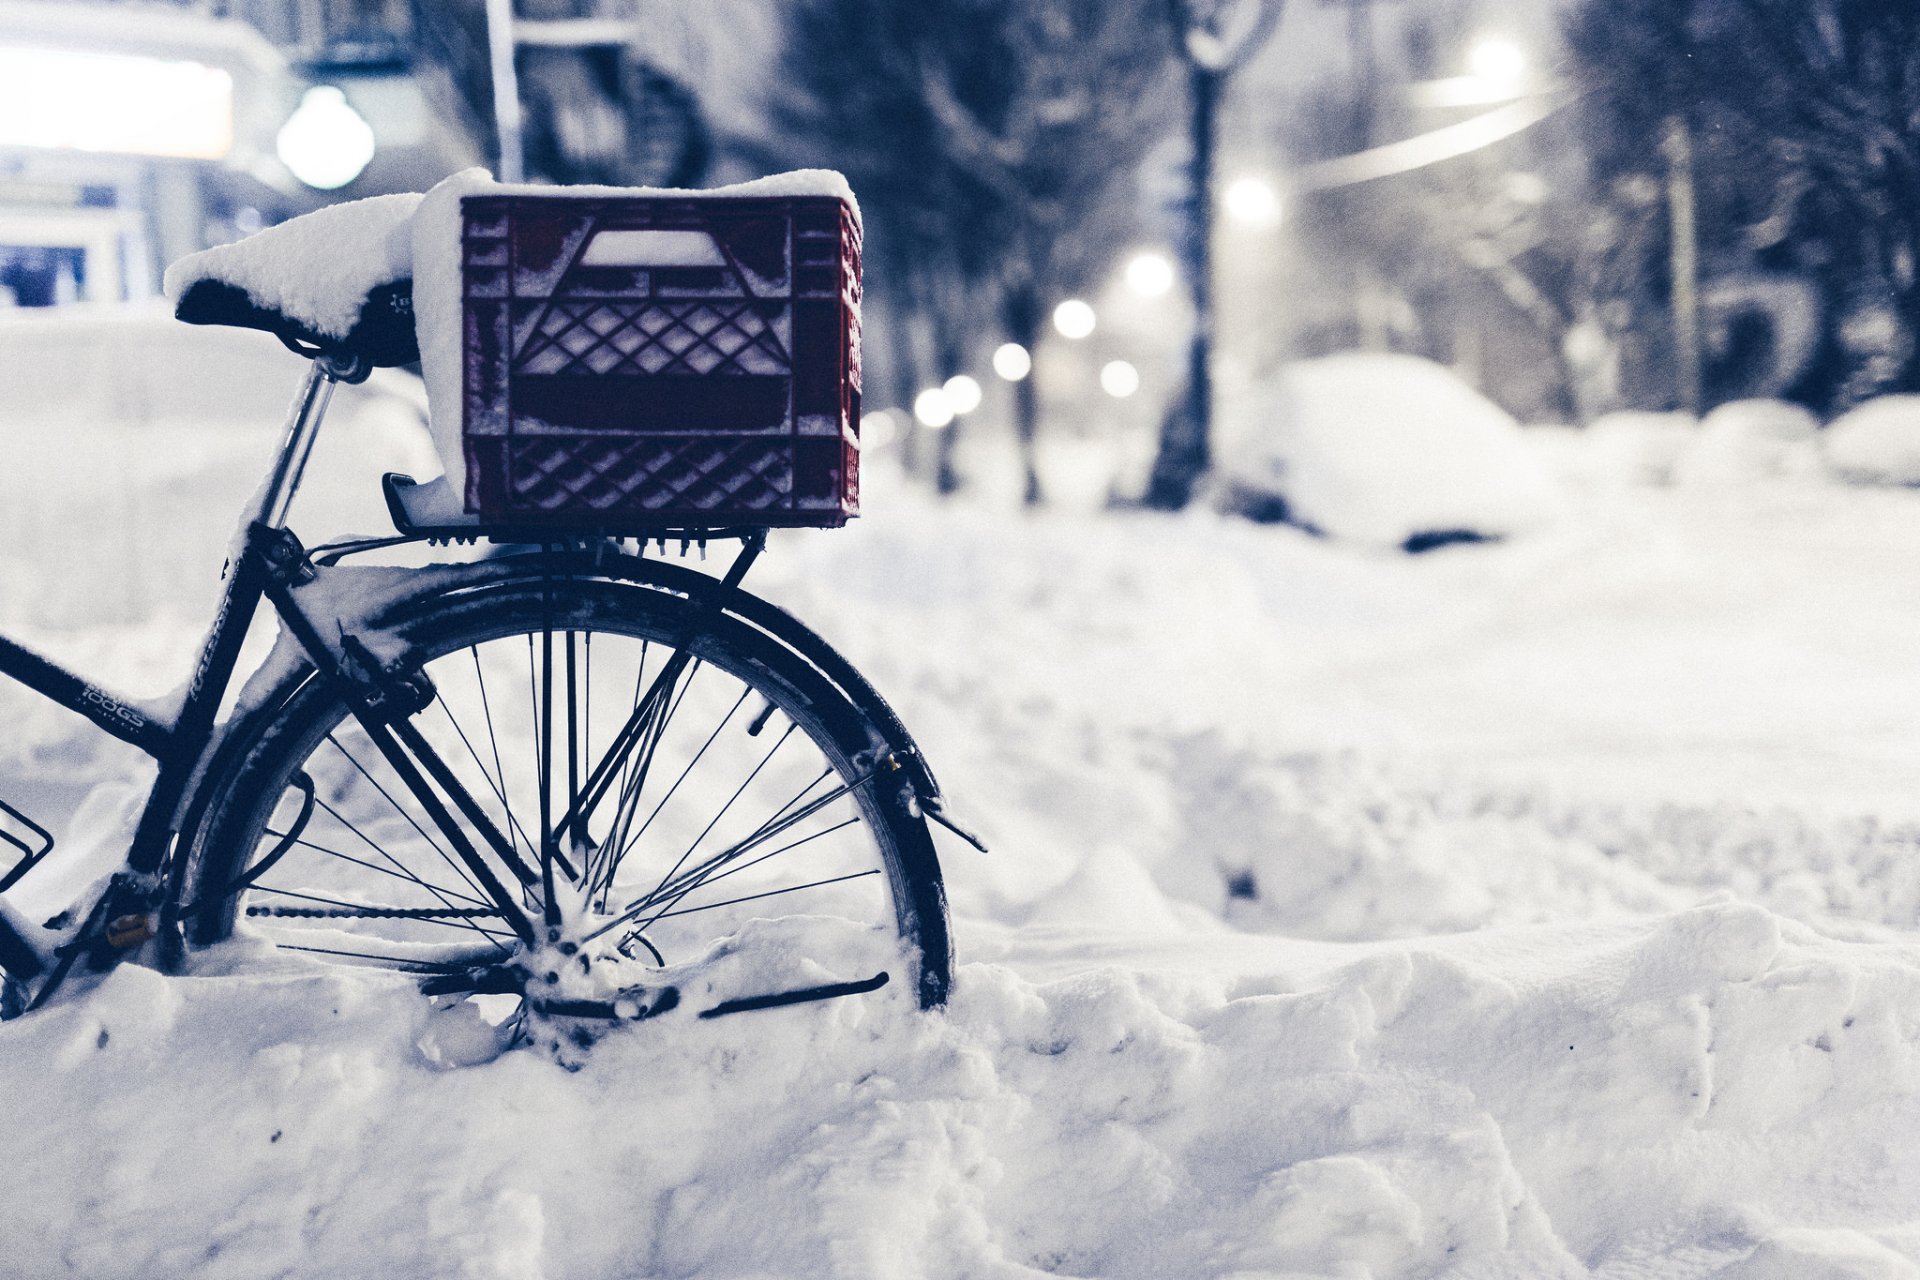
(306, 726)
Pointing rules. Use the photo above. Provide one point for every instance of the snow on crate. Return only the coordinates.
(1383, 450)
(637, 357)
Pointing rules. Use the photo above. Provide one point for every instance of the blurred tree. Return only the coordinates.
(994, 145)
(1214, 38)
(594, 112)
(1804, 123)
(1469, 261)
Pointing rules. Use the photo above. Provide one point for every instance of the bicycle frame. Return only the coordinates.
(141, 902)
(181, 747)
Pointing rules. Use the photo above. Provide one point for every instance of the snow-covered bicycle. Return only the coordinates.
(579, 781)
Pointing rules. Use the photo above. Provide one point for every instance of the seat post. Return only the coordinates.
(296, 442)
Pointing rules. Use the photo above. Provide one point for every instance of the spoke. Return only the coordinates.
(400, 868)
(397, 962)
(610, 847)
(624, 741)
(399, 809)
(702, 872)
(746, 866)
(692, 878)
(771, 893)
(573, 726)
(655, 729)
(586, 728)
(376, 867)
(515, 831)
(493, 741)
(739, 790)
(688, 853)
(404, 872)
(614, 866)
(705, 873)
(552, 907)
(659, 890)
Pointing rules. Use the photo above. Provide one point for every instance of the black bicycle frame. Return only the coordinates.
(137, 906)
(179, 748)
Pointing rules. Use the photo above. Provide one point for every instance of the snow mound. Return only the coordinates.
(1550, 1105)
(1877, 443)
(1751, 440)
(318, 267)
(1639, 448)
(1386, 451)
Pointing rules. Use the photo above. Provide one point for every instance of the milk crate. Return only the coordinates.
(645, 362)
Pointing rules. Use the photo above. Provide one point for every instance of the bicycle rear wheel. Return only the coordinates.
(757, 790)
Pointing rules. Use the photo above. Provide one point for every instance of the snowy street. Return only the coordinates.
(959, 640)
(1530, 909)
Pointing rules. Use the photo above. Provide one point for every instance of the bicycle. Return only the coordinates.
(563, 777)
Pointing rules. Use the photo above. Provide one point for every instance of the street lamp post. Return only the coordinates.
(1214, 37)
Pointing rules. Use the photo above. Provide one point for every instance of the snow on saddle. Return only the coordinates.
(337, 281)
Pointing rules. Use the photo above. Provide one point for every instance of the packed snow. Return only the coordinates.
(1879, 442)
(1531, 909)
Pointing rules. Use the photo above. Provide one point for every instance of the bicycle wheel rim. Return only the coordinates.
(751, 728)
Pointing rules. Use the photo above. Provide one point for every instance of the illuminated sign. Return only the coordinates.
(112, 102)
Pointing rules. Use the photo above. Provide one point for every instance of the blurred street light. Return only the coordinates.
(1497, 61)
(877, 429)
(325, 142)
(963, 394)
(1074, 319)
(1119, 379)
(932, 408)
(1149, 274)
(1252, 202)
(1012, 362)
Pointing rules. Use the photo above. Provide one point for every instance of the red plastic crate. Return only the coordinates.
(649, 362)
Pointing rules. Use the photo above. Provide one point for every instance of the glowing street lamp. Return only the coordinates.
(877, 429)
(1497, 60)
(933, 408)
(1074, 319)
(1252, 202)
(1119, 379)
(963, 394)
(325, 142)
(1149, 274)
(1011, 361)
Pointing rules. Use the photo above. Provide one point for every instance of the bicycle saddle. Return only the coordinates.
(337, 281)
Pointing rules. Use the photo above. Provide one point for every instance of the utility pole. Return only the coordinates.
(1684, 264)
(1214, 38)
(507, 115)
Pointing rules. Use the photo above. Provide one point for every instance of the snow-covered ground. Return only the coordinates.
(1534, 909)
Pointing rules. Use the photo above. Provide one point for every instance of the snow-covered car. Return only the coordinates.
(1381, 450)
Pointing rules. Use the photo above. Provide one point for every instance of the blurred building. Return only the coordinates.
(135, 131)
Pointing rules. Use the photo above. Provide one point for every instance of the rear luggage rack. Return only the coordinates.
(20, 832)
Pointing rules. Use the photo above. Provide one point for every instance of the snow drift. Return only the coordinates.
(1546, 911)
(1877, 443)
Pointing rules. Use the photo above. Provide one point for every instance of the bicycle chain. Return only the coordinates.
(378, 913)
